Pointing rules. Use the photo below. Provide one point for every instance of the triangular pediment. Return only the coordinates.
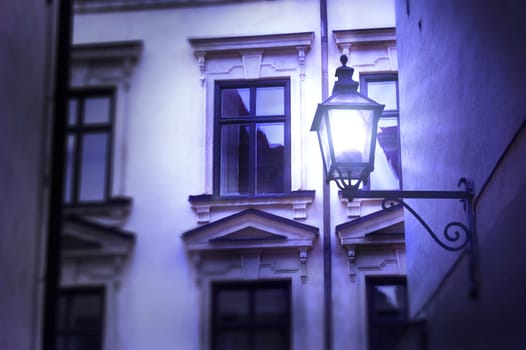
(379, 228)
(83, 238)
(250, 229)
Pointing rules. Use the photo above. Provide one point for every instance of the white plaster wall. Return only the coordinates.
(24, 68)
(461, 78)
(158, 298)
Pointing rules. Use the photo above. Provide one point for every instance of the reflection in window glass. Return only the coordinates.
(389, 298)
(383, 92)
(70, 160)
(270, 158)
(252, 141)
(234, 159)
(387, 311)
(235, 102)
(270, 101)
(97, 110)
(72, 112)
(387, 156)
(93, 167)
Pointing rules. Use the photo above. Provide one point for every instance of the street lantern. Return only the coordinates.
(346, 124)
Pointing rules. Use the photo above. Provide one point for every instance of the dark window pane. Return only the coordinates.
(271, 305)
(233, 340)
(270, 101)
(269, 339)
(383, 92)
(70, 161)
(233, 306)
(85, 311)
(72, 112)
(251, 316)
(234, 159)
(93, 167)
(85, 342)
(61, 343)
(270, 158)
(235, 102)
(97, 110)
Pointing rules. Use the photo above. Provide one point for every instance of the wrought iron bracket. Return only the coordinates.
(456, 236)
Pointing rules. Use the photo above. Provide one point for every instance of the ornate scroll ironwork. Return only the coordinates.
(456, 235)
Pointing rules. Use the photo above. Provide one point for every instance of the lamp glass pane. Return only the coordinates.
(323, 137)
(351, 135)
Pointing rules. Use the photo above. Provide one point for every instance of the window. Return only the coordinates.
(383, 88)
(88, 145)
(252, 142)
(80, 319)
(387, 311)
(251, 316)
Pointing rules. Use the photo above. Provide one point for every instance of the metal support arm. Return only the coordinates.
(457, 236)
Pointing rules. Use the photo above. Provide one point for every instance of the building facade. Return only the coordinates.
(463, 115)
(196, 214)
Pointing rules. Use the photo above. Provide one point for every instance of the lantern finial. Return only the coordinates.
(345, 83)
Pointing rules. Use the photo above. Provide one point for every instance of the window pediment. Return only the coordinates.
(248, 233)
(86, 238)
(251, 229)
(379, 228)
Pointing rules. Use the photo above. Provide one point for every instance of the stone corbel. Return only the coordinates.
(354, 208)
(300, 210)
(196, 260)
(301, 61)
(201, 60)
(346, 48)
(203, 214)
(127, 71)
(351, 255)
(303, 264)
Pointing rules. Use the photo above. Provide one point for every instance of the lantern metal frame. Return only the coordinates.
(456, 236)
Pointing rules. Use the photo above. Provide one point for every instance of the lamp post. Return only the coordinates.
(346, 124)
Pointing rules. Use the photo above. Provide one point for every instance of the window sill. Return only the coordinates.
(202, 204)
(114, 207)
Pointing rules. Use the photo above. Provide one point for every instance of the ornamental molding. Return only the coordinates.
(363, 237)
(298, 200)
(347, 38)
(249, 235)
(105, 51)
(213, 45)
(104, 62)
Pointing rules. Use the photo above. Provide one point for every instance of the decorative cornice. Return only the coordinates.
(299, 200)
(116, 50)
(363, 36)
(292, 41)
